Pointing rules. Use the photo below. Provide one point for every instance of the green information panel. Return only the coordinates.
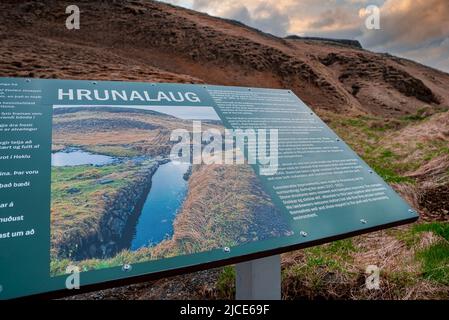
(126, 181)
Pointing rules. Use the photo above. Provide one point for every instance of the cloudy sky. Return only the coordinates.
(414, 29)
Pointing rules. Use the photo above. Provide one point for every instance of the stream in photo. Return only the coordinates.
(165, 199)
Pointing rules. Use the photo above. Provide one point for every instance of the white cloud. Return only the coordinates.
(415, 29)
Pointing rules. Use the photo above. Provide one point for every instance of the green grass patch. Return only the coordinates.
(401, 279)
(418, 116)
(355, 122)
(226, 283)
(389, 175)
(438, 228)
(342, 248)
(113, 151)
(435, 149)
(435, 262)
(58, 266)
(424, 113)
(387, 154)
(363, 135)
(387, 164)
(331, 255)
(411, 236)
(434, 259)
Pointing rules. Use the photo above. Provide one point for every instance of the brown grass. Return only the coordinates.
(220, 210)
(400, 277)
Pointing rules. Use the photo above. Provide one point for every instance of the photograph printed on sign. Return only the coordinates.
(117, 197)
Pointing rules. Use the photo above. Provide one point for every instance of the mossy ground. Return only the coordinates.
(373, 139)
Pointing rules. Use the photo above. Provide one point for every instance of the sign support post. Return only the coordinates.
(259, 279)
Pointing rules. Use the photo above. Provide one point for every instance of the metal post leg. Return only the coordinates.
(259, 279)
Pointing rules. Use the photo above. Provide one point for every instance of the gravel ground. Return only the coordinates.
(194, 286)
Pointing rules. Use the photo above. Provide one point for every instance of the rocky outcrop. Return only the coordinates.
(187, 174)
(345, 42)
(408, 85)
(375, 69)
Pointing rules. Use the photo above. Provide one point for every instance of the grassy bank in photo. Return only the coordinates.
(85, 200)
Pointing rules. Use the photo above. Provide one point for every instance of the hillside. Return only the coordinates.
(392, 111)
(156, 42)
